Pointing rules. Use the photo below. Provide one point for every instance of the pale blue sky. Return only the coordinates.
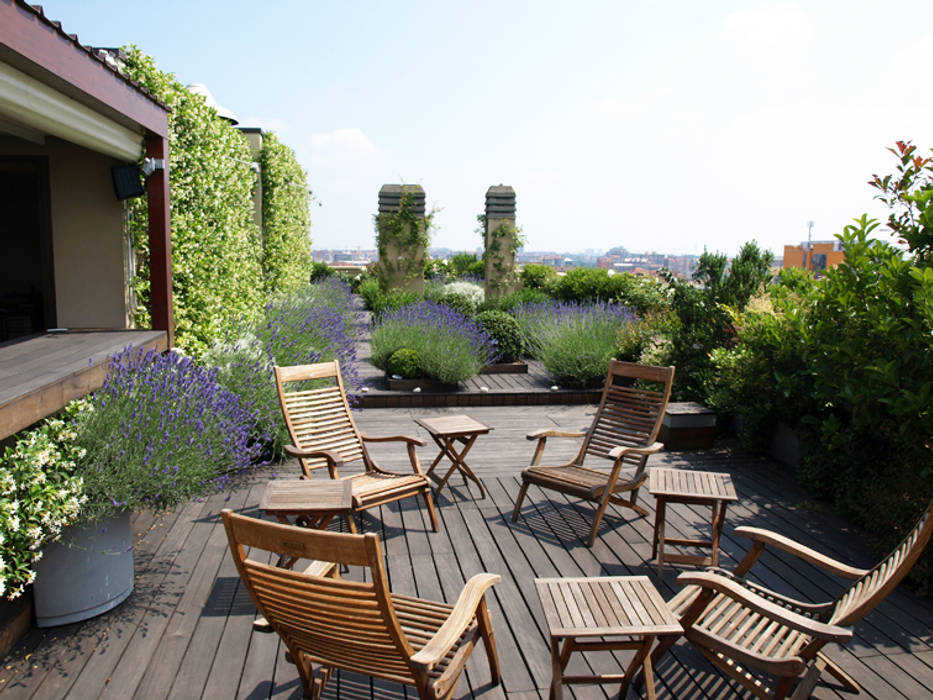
(657, 126)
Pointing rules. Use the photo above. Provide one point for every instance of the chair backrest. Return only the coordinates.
(336, 622)
(870, 589)
(628, 414)
(318, 418)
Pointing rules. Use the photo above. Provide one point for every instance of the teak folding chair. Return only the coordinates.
(358, 626)
(624, 431)
(324, 435)
(771, 643)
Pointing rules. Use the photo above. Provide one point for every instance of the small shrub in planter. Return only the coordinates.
(504, 329)
(461, 295)
(451, 347)
(404, 363)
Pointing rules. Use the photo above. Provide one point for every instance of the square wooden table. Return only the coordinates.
(448, 432)
(714, 489)
(604, 607)
(313, 502)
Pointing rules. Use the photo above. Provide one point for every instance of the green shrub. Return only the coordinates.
(216, 247)
(634, 338)
(536, 276)
(504, 329)
(847, 361)
(286, 219)
(404, 363)
(320, 270)
(463, 264)
(508, 302)
(702, 316)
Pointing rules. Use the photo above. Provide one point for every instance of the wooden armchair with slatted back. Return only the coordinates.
(773, 644)
(324, 435)
(624, 431)
(359, 626)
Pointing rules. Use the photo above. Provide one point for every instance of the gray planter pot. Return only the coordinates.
(86, 573)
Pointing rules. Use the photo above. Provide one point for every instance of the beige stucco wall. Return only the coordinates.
(87, 234)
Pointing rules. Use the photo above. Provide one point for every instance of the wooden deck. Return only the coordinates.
(41, 374)
(186, 631)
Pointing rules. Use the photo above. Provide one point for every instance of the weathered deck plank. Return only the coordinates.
(187, 630)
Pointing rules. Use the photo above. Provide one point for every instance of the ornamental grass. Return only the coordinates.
(451, 347)
(574, 341)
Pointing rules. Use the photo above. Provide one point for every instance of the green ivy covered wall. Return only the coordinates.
(216, 248)
(286, 218)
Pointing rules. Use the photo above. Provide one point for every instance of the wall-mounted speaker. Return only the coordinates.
(127, 181)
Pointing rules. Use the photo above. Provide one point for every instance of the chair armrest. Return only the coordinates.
(621, 450)
(460, 618)
(332, 457)
(547, 432)
(738, 593)
(767, 537)
(394, 438)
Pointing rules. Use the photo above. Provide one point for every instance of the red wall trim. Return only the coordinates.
(33, 44)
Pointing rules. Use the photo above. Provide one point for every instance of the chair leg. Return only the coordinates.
(351, 524)
(833, 669)
(489, 641)
(603, 504)
(432, 512)
(518, 501)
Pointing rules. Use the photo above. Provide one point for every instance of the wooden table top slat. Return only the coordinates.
(667, 482)
(453, 426)
(619, 601)
(295, 496)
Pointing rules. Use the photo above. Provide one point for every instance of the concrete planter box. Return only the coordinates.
(88, 572)
(688, 425)
(517, 367)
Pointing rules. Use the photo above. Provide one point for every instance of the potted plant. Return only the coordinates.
(159, 431)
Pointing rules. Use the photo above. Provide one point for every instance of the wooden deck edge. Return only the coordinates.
(28, 408)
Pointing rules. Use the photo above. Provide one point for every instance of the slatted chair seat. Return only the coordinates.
(623, 435)
(774, 644)
(581, 482)
(359, 626)
(324, 436)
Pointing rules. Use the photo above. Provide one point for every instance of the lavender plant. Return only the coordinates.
(159, 431)
(573, 341)
(451, 347)
(318, 324)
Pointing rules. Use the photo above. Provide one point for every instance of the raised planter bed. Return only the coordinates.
(425, 383)
(688, 425)
(517, 367)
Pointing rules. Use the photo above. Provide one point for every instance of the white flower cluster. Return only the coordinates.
(39, 495)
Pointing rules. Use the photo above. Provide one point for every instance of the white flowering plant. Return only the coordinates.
(39, 495)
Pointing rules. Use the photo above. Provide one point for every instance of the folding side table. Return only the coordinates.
(577, 610)
(713, 489)
(447, 432)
